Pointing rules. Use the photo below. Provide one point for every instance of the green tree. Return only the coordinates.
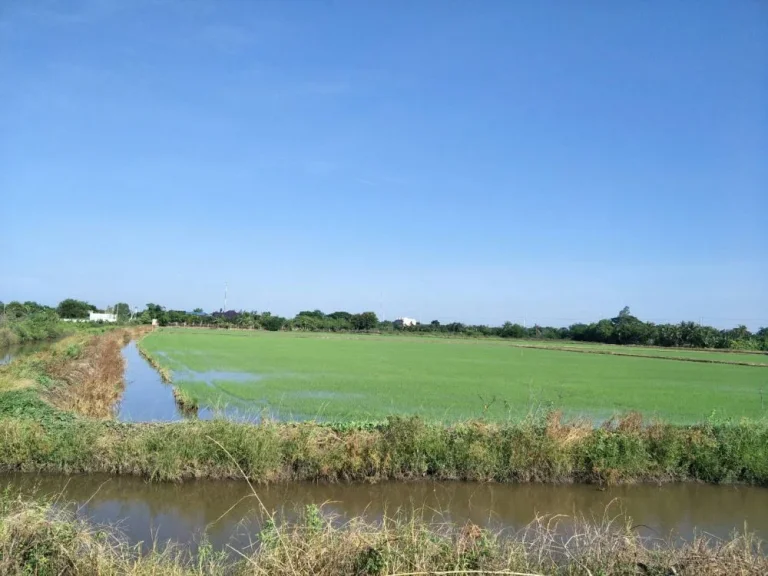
(365, 321)
(341, 315)
(628, 329)
(272, 323)
(15, 310)
(33, 307)
(75, 309)
(509, 330)
(123, 311)
(312, 314)
(154, 312)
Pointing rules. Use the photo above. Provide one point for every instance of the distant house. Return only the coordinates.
(101, 317)
(404, 322)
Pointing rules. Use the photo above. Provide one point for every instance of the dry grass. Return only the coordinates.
(91, 378)
(10, 381)
(43, 538)
(568, 433)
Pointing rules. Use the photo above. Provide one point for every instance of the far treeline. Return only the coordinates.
(28, 320)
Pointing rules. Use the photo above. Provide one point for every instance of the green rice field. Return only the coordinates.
(709, 355)
(358, 377)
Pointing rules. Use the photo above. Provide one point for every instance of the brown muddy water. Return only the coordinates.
(229, 514)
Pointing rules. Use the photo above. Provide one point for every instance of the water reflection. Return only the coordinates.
(9, 353)
(148, 399)
(181, 512)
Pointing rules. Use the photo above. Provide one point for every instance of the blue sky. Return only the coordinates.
(474, 161)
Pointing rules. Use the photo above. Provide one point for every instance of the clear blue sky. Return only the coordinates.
(473, 161)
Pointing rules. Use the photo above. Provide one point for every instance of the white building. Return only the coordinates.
(405, 322)
(101, 317)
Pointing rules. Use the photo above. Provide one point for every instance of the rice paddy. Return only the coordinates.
(350, 377)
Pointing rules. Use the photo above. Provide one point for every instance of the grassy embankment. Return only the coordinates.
(81, 374)
(338, 377)
(40, 538)
(30, 330)
(541, 450)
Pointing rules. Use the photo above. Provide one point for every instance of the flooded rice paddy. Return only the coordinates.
(148, 399)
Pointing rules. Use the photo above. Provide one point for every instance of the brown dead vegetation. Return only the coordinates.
(566, 433)
(89, 375)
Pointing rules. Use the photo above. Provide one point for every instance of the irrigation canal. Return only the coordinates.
(229, 514)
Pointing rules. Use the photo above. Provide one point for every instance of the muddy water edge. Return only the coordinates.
(229, 514)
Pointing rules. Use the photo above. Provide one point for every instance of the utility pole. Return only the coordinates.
(225, 297)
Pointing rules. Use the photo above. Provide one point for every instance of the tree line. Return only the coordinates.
(623, 329)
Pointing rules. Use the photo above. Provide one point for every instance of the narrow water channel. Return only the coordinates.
(148, 399)
(181, 512)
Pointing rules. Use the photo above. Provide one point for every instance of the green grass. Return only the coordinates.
(537, 449)
(341, 377)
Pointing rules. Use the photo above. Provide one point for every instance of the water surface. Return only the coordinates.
(181, 512)
(148, 399)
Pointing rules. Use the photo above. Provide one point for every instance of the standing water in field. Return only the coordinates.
(148, 399)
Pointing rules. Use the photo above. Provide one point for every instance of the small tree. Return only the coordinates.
(510, 330)
(123, 311)
(365, 321)
(71, 308)
(272, 323)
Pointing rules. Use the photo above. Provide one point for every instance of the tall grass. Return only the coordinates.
(541, 449)
(42, 538)
(82, 374)
(32, 328)
(89, 375)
